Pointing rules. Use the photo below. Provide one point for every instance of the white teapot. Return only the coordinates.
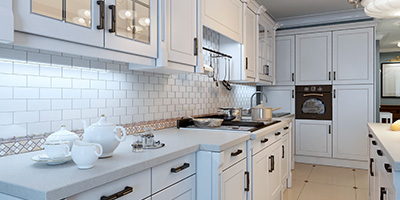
(63, 134)
(105, 134)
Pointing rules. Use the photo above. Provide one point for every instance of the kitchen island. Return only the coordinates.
(23, 178)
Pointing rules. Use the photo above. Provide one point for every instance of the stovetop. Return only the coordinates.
(249, 126)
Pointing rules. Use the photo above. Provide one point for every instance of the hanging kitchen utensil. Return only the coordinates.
(228, 85)
(224, 82)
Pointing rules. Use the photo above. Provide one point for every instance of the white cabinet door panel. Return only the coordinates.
(353, 56)
(181, 31)
(314, 138)
(285, 56)
(260, 175)
(281, 96)
(352, 110)
(250, 60)
(233, 182)
(184, 190)
(313, 58)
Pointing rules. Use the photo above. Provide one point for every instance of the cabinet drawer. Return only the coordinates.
(234, 155)
(185, 189)
(140, 183)
(173, 171)
(266, 140)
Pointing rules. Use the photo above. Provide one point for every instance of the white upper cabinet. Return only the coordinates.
(353, 56)
(266, 50)
(250, 58)
(181, 31)
(281, 96)
(225, 17)
(6, 21)
(131, 26)
(285, 57)
(353, 108)
(76, 20)
(314, 58)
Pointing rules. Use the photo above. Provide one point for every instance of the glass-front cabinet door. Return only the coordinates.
(131, 26)
(72, 20)
(265, 54)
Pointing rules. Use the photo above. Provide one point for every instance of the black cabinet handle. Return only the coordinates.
(272, 166)
(239, 151)
(283, 151)
(371, 160)
(388, 167)
(334, 75)
(370, 135)
(292, 94)
(247, 188)
(379, 152)
(292, 77)
(113, 19)
(286, 128)
(383, 194)
(277, 133)
(374, 142)
(329, 75)
(264, 140)
(247, 63)
(119, 194)
(330, 130)
(196, 46)
(101, 26)
(334, 93)
(178, 169)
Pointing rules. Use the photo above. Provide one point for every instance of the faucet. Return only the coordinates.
(251, 98)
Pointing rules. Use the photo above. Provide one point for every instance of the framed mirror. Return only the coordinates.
(390, 81)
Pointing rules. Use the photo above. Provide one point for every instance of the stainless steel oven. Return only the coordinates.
(314, 102)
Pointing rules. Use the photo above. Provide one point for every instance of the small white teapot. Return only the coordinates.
(63, 134)
(105, 134)
(84, 154)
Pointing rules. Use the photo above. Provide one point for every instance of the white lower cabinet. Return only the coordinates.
(184, 190)
(285, 164)
(314, 138)
(233, 183)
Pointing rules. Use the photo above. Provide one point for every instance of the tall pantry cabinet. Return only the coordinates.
(338, 55)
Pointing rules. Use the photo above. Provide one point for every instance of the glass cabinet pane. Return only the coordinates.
(124, 18)
(79, 12)
(49, 8)
(142, 21)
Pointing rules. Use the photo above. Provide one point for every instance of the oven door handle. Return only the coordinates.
(313, 94)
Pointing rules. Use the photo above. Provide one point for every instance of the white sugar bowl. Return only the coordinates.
(63, 134)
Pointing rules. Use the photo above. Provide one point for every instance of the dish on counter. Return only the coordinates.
(43, 158)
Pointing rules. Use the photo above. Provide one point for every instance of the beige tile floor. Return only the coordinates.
(318, 182)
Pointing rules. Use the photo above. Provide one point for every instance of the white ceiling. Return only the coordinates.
(388, 30)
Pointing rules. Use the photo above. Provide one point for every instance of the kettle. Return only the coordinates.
(261, 112)
(104, 133)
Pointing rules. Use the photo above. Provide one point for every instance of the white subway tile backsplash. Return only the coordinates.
(61, 82)
(14, 130)
(143, 79)
(71, 73)
(90, 113)
(149, 102)
(113, 119)
(105, 94)
(126, 86)
(56, 125)
(12, 80)
(71, 94)
(106, 111)
(26, 93)
(80, 103)
(90, 94)
(97, 103)
(89, 74)
(50, 115)
(143, 94)
(112, 85)
(126, 102)
(26, 117)
(94, 84)
(12, 105)
(61, 104)
(34, 57)
(39, 128)
(71, 114)
(80, 83)
(39, 81)
(61, 60)
(119, 111)
(126, 119)
(39, 105)
(132, 110)
(97, 65)
(6, 67)
(138, 86)
(53, 71)
(26, 69)
(112, 103)
(119, 77)
(6, 118)
(104, 75)
(6, 92)
(112, 67)
(11, 54)
(77, 62)
(119, 94)
(138, 102)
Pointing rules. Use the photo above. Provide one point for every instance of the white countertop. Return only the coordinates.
(24, 178)
(389, 142)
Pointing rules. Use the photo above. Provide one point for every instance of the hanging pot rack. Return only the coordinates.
(217, 52)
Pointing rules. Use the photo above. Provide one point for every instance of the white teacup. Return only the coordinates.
(84, 154)
(56, 148)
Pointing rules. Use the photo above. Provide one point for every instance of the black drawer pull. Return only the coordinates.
(277, 133)
(264, 140)
(283, 151)
(370, 135)
(247, 188)
(239, 151)
(272, 166)
(286, 128)
(101, 4)
(178, 169)
(374, 142)
(383, 194)
(113, 19)
(379, 152)
(388, 167)
(119, 194)
(371, 160)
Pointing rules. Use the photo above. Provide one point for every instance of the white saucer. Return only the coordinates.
(43, 158)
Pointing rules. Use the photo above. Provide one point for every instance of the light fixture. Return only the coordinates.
(398, 44)
(380, 9)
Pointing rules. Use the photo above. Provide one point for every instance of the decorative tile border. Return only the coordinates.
(25, 144)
